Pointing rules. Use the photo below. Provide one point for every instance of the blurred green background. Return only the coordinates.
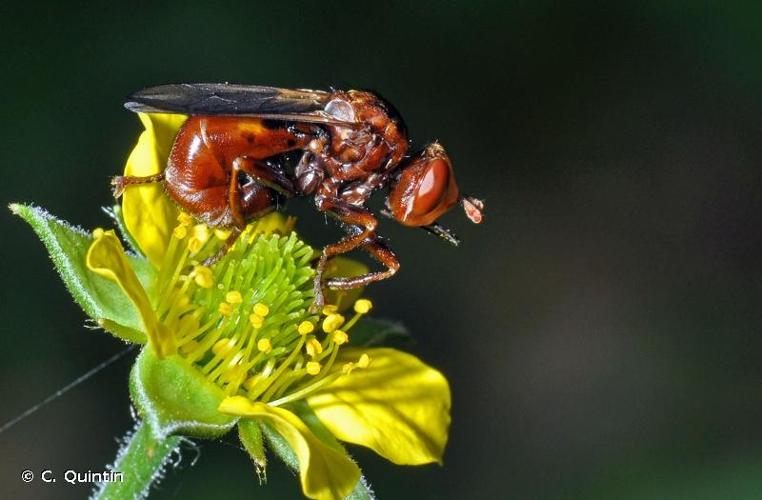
(601, 328)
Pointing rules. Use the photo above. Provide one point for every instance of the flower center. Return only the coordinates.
(244, 322)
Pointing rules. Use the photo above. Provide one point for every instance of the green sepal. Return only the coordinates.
(101, 299)
(251, 437)
(369, 332)
(174, 397)
(282, 449)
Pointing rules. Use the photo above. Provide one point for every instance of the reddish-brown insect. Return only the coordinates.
(227, 165)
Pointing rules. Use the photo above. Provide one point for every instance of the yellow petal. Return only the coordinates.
(397, 406)
(149, 215)
(325, 473)
(106, 258)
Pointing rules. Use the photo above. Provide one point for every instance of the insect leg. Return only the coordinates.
(239, 222)
(120, 182)
(351, 215)
(265, 175)
(377, 249)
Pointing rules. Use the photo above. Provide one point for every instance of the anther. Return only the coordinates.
(233, 297)
(313, 367)
(184, 219)
(305, 327)
(223, 346)
(225, 309)
(180, 232)
(332, 322)
(98, 232)
(329, 309)
(364, 361)
(189, 346)
(340, 337)
(201, 233)
(203, 276)
(264, 345)
(256, 320)
(261, 309)
(363, 306)
(313, 347)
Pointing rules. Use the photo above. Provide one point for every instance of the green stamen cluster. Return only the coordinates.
(244, 321)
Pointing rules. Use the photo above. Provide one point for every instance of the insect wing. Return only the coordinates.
(227, 99)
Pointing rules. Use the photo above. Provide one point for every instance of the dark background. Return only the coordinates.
(600, 329)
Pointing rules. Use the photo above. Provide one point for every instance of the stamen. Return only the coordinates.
(203, 276)
(332, 322)
(180, 232)
(305, 327)
(234, 297)
(184, 219)
(313, 367)
(340, 337)
(261, 309)
(256, 320)
(225, 309)
(264, 345)
(313, 347)
(363, 306)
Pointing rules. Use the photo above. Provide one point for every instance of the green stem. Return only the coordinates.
(140, 461)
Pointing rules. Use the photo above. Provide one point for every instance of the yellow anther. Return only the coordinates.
(264, 345)
(225, 309)
(313, 347)
(189, 346)
(329, 309)
(98, 232)
(332, 322)
(305, 327)
(251, 382)
(261, 309)
(194, 244)
(180, 232)
(233, 297)
(222, 234)
(362, 306)
(256, 320)
(313, 367)
(182, 301)
(231, 374)
(201, 232)
(184, 219)
(347, 368)
(364, 361)
(223, 346)
(203, 276)
(340, 337)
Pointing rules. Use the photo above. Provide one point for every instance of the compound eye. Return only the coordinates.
(432, 188)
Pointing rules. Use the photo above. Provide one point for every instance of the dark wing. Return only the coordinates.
(230, 99)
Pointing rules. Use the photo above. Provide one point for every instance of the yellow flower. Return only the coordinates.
(242, 331)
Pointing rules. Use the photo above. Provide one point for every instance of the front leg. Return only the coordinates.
(358, 217)
(376, 247)
(264, 175)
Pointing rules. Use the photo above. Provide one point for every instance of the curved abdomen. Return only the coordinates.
(198, 172)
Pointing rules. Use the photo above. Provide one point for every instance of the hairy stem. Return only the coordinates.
(141, 461)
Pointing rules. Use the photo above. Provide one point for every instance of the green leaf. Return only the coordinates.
(101, 299)
(374, 332)
(174, 397)
(251, 437)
